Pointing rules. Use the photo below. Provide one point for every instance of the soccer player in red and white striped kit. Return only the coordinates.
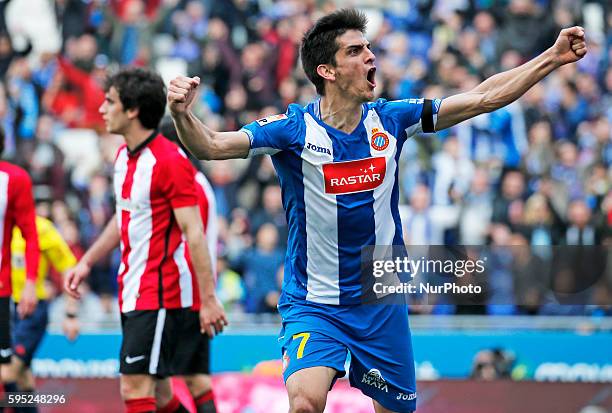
(16, 208)
(159, 228)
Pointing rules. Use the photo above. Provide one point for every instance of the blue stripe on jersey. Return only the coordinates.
(288, 167)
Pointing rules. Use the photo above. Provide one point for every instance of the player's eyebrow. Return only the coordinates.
(357, 46)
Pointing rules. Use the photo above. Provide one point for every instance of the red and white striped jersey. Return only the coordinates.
(149, 183)
(208, 212)
(16, 208)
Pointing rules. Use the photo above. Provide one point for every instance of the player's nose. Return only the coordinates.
(370, 56)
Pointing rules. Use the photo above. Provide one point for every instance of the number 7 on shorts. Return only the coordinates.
(304, 337)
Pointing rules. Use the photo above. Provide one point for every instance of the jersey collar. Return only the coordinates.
(143, 143)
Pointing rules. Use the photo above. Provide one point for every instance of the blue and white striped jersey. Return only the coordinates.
(340, 191)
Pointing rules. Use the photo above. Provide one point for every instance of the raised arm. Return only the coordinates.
(506, 87)
(202, 142)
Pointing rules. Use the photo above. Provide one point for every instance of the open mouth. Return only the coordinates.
(372, 77)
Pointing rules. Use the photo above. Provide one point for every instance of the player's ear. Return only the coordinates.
(132, 113)
(327, 72)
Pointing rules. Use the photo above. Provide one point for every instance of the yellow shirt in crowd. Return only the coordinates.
(53, 252)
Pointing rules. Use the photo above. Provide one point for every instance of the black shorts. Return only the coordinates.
(192, 354)
(149, 341)
(6, 350)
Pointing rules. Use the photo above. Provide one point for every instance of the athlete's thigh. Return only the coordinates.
(312, 349)
(307, 388)
(382, 362)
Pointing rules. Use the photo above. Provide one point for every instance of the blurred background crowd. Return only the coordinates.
(538, 172)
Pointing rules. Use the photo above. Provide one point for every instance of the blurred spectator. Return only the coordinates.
(8, 54)
(260, 266)
(272, 212)
(512, 189)
(425, 224)
(47, 163)
(230, 287)
(453, 173)
(526, 28)
(492, 364)
(544, 227)
(580, 230)
(477, 209)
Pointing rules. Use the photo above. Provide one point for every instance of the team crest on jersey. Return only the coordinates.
(379, 140)
(270, 119)
(354, 176)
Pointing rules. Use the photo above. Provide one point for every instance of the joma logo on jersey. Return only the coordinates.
(319, 149)
(375, 379)
(354, 176)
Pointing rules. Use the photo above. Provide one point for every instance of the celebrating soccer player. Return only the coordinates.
(337, 161)
(158, 224)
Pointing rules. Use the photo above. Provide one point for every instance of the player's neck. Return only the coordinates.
(136, 135)
(340, 113)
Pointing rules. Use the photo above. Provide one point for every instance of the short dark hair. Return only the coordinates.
(142, 89)
(319, 44)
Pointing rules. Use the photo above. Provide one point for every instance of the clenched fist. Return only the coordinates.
(181, 93)
(570, 45)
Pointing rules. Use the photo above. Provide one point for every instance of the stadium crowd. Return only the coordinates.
(538, 172)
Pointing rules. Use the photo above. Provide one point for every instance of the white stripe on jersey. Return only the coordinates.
(383, 220)
(140, 228)
(212, 229)
(184, 275)
(4, 182)
(322, 265)
(118, 180)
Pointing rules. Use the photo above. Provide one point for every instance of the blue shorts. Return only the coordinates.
(28, 332)
(376, 336)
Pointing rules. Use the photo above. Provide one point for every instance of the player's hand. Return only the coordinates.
(181, 94)
(570, 45)
(74, 277)
(28, 301)
(71, 328)
(212, 317)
